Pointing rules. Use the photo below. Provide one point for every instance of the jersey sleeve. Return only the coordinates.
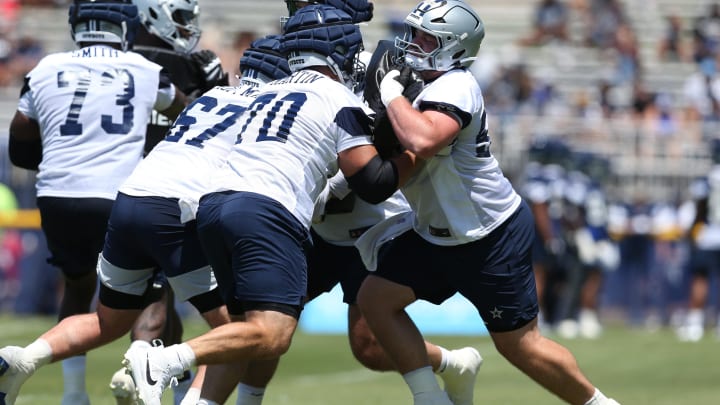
(459, 103)
(166, 92)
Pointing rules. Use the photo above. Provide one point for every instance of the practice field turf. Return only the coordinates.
(634, 366)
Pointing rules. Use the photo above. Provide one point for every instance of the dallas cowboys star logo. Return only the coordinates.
(496, 313)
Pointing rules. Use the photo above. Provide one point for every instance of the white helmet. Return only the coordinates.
(173, 21)
(456, 27)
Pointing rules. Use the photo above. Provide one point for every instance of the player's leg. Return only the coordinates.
(693, 327)
(75, 232)
(457, 368)
(238, 243)
(155, 322)
(73, 335)
(505, 296)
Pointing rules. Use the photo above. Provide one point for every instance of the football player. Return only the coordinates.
(152, 227)
(81, 123)
(168, 35)
(471, 232)
(255, 225)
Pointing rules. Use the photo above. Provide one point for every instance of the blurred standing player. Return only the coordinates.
(81, 123)
(705, 250)
(255, 227)
(168, 35)
(340, 217)
(150, 229)
(471, 232)
(590, 251)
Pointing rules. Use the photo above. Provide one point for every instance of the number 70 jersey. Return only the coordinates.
(92, 106)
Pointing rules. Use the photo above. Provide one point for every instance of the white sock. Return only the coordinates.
(249, 395)
(140, 343)
(38, 353)
(74, 374)
(696, 317)
(206, 402)
(599, 399)
(183, 354)
(191, 397)
(444, 359)
(421, 380)
(181, 389)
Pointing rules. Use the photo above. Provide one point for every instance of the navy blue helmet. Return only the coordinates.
(104, 21)
(358, 10)
(263, 60)
(321, 35)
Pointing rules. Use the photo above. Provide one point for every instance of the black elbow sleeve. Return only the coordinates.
(25, 154)
(375, 182)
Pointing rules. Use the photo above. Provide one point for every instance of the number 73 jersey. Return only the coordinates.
(92, 106)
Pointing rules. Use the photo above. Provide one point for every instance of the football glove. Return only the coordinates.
(211, 67)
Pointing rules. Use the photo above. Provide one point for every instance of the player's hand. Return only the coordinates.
(390, 87)
(209, 62)
(411, 81)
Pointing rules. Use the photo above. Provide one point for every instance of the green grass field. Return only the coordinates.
(636, 367)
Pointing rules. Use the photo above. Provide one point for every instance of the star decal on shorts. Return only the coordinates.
(496, 313)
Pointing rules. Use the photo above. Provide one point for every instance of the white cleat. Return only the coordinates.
(589, 324)
(460, 374)
(690, 333)
(123, 388)
(150, 371)
(14, 373)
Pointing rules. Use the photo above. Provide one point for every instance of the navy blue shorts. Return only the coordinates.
(75, 232)
(704, 261)
(146, 232)
(494, 273)
(257, 250)
(330, 264)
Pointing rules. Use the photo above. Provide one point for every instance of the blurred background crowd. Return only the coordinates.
(604, 113)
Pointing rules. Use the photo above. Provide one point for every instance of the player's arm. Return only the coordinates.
(25, 142)
(425, 132)
(170, 99)
(372, 178)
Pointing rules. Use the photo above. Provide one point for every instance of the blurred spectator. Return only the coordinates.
(17, 58)
(10, 248)
(706, 34)
(671, 47)
(701, 93)
(511, 91)
(26, 54)
(627, 55)
(604, 17)
(550, 23)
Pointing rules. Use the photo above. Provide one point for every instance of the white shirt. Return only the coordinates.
(92, 106)
(291, 135)
(461, 194)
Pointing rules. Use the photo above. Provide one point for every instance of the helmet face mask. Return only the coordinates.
(173, 21)
(457, 29)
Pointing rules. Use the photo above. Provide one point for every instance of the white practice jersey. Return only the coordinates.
(291, 134)
(181, 165)
(92, 106)
(461, 194)
(343, 228)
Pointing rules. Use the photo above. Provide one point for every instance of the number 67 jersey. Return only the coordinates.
(92, 106)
